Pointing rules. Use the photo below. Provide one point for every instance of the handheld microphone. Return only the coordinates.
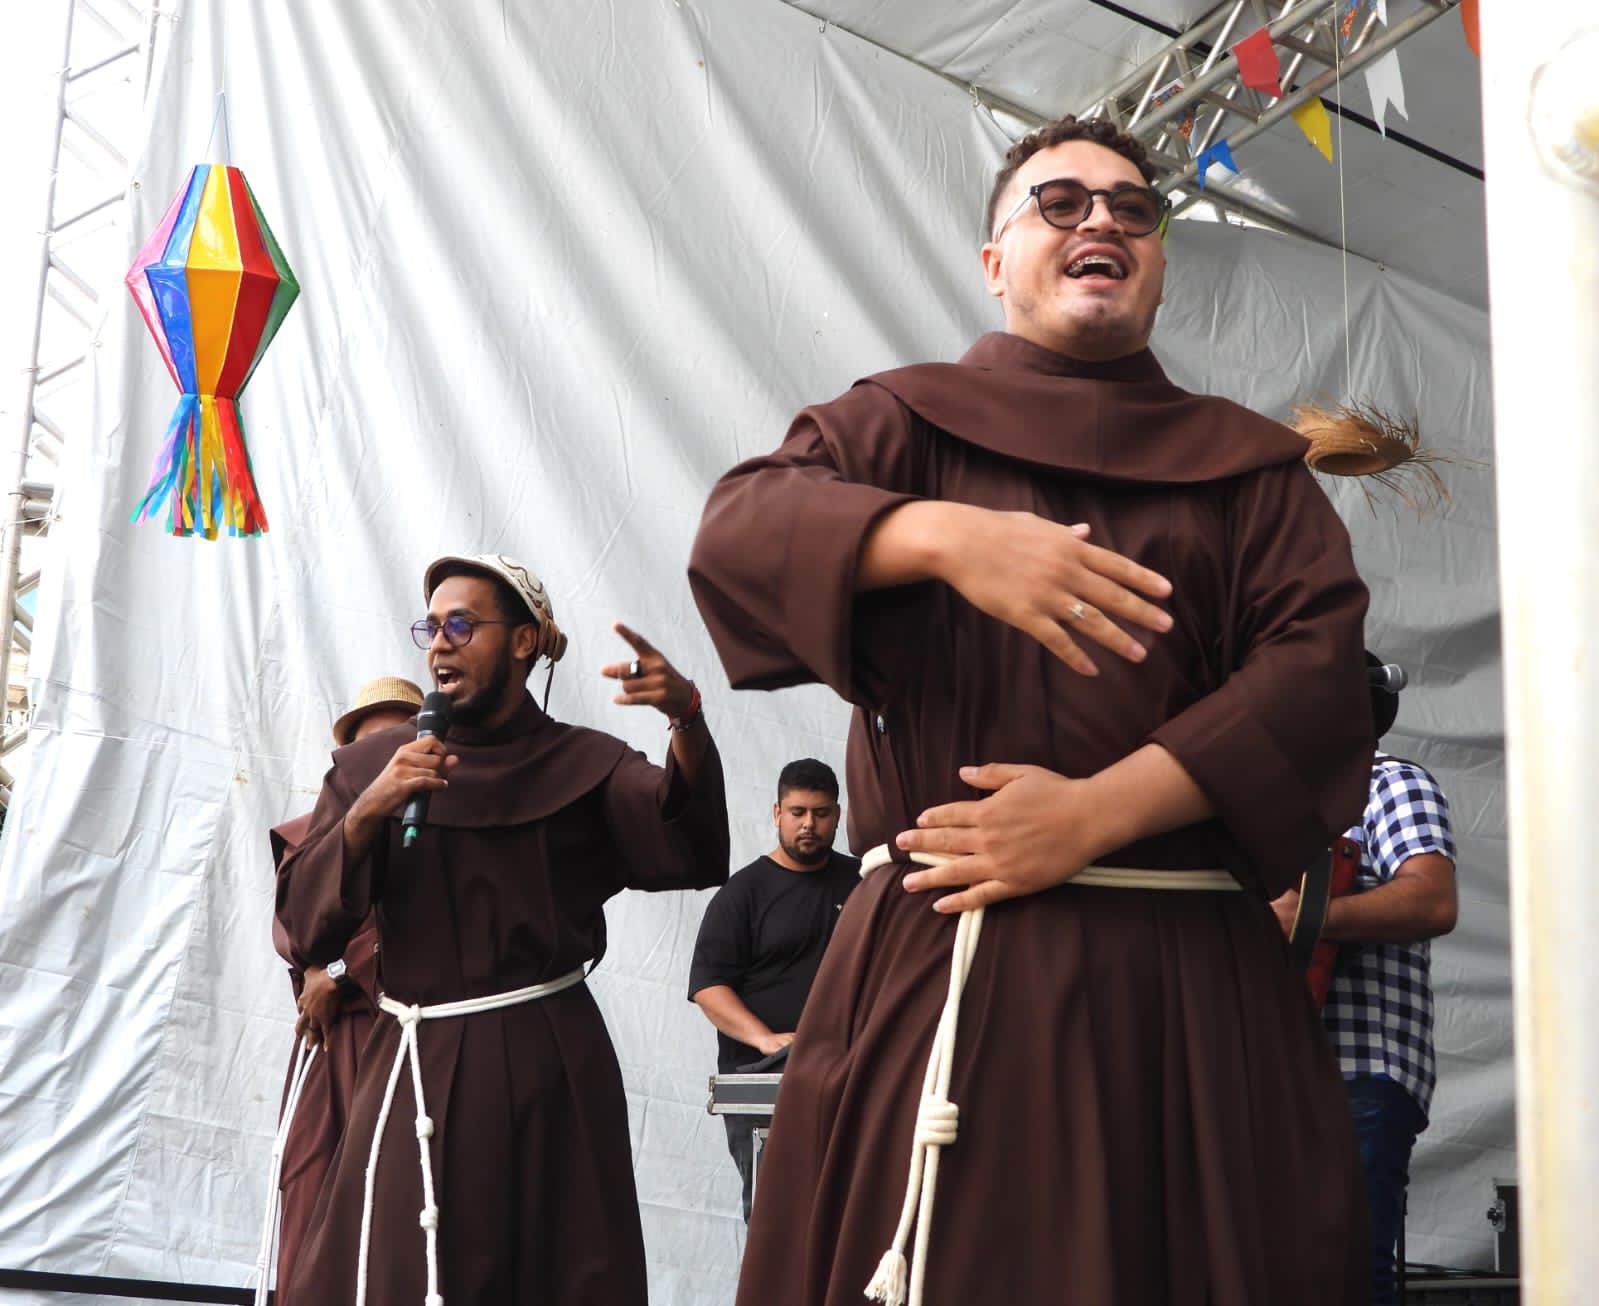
(432, 722)
(1390, 677)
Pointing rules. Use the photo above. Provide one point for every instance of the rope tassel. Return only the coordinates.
(407, 1054)
(273, 1226)
(900, 1280)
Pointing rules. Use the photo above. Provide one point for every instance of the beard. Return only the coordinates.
(818, 855)
(477, 707)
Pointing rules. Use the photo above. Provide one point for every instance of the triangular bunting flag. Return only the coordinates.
(1185, 128)
(1387, 86)
(1353, 16)
(1258, 65)
(1221, 153)
(1314, 122)
(1468, 23)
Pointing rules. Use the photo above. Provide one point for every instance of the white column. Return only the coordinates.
(1541, 91)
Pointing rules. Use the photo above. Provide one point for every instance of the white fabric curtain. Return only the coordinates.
(561, 266)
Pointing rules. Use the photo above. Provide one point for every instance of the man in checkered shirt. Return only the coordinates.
(1379, 1006)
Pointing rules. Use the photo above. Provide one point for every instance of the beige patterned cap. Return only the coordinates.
(527, 586)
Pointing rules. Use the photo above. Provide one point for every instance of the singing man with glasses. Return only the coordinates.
(489, 1107)
(1103, 637)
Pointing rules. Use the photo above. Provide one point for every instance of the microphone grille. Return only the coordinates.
(435, 713)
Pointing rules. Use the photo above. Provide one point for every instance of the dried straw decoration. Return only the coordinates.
(1361, 440)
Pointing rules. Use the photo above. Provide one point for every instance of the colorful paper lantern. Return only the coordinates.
(213, 287)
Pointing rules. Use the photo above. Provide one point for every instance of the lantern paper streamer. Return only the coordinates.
(214, 288)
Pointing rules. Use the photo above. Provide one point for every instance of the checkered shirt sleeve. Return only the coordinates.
(1379, 1006)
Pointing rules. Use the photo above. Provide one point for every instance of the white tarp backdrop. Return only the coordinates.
(562, 266)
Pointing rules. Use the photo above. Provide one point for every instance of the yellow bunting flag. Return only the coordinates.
(1314, 122)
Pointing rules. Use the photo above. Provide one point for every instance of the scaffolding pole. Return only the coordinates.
(11, 530)
(1541, 102)
(116, 42)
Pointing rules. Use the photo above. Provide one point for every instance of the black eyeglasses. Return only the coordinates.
(457, 630)
(1066, 203)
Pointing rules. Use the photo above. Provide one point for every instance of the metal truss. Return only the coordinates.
(107, 50)
(1213, 104)
(1189, 95)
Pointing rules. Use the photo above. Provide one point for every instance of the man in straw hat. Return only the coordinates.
(489, 1106)
(337, 1003)
(1103, 638)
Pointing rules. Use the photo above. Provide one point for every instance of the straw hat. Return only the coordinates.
(1361, 440)
(386, 692)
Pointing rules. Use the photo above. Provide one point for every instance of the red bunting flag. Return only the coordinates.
(1258, 65)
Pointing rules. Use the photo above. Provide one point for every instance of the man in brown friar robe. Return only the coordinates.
(337, 1003)
(527, 1192)
(1148, 1112)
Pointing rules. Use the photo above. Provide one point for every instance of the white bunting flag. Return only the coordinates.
(1387, 86)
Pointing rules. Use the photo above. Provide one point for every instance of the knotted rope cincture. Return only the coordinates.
(272, 1226)
(410, 1017)
(937, 1118)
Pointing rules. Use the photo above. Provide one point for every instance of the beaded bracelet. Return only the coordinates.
(691, 715)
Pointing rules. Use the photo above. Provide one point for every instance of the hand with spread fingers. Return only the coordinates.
(649, 680)
(1037, 829)
(1030, 833)
(1049, 582)
(1041, 577)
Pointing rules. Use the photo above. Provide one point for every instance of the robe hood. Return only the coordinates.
(1119, 420)
(521, 771)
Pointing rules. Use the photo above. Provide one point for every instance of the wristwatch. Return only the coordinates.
(339, 973)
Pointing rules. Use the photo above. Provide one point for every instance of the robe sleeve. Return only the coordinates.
(361, 959)
(323, 898)
(283, 839)
(774, 564)
(670, 835)
(1283, 748)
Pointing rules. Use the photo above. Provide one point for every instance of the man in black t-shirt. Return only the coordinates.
(764, 933)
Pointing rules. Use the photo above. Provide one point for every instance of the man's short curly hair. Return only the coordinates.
(1101, 131)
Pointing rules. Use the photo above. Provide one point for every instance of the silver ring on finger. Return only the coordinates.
(1077, 611)
(633, 670)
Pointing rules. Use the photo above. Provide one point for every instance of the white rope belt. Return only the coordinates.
(410, 1017)
(937, 1118)
(1096, 877)
(272, 1229)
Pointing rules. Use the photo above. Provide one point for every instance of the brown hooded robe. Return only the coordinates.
(1149, 1112)
(324, 1103)
(504, 888)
